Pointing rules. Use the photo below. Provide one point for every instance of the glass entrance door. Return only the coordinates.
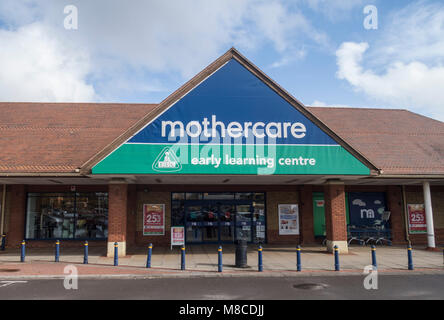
(210, 224)
(202, 222)
(226, 222)
(193, 223)
(243, 222)
(220, 219)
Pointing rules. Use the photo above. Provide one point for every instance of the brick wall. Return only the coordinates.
(132, 215)
(306, 212)
(397, 219)
(272, 202)
(16, 204)
(335, 212)
(153, 197)
(117, 212)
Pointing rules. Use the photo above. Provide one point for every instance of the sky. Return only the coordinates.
(343, 53)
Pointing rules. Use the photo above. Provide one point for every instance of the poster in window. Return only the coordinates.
(153, 219)
(288, 219)
(417, 218)
(367, 210)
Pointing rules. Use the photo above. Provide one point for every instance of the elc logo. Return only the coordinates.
(167, 161)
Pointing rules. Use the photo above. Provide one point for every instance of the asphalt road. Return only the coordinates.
(311, 287)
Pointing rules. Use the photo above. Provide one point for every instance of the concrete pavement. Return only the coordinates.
(202, 261)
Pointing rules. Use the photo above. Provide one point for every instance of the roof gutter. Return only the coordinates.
(410, 176)
(40, 174)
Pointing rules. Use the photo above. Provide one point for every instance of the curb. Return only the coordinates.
(192, 274)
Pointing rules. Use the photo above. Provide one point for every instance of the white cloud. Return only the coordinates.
(411, 85)
(289, 57)
(182, 36)
(415, 32)
(14, 13)
(117, 42)
(318, 103)
(37, 66)
(359, 202)
(336, 9)
(404, 67)
(282, 26)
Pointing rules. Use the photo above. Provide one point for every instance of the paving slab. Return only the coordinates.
(202, 261)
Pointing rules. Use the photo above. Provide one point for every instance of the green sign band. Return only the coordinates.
(230, 159)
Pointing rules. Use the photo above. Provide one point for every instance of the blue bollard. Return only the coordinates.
(337, 268)
(22, 253)
(219, 260)
(85, 253)
(410, 258)
(182, 259)
(116, 254)
(57, 251)
(260, 266)
(374, 264)
(3, 242)
(298, 258)
(148, 258)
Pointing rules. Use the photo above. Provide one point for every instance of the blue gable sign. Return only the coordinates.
(231, 123)
(233, 95)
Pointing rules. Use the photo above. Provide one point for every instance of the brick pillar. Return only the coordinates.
(16, 225)
(306, 196)
(335, 216)
(132, 214)
(395, 206)
(117, 217)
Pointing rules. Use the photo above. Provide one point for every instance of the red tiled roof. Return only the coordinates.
(60, 137)
(396, 141)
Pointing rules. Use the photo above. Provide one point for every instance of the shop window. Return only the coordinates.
(193, 196)
(177, 212)
(244, 196)
(178, 196)
(218, 196)
(67, 215)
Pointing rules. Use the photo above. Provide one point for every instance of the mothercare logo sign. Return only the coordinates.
(234, 129)
(228, 147)
(231, 123)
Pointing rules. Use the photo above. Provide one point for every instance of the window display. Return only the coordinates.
(67, 216)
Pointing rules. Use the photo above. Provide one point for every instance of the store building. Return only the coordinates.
(228, 156)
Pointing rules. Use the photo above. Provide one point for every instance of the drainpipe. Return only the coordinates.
(405, 211)
(3, 210)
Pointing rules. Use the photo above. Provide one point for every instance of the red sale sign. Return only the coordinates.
(153, 219)
(177, 236)
(417, 218)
